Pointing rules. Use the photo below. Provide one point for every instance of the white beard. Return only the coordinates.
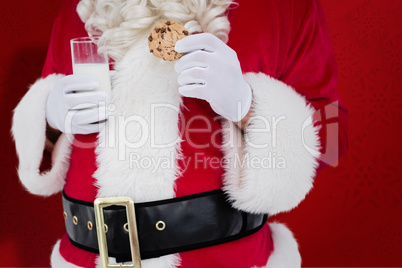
(142, 82)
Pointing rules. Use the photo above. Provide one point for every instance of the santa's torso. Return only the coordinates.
(181, 151)
(157, 145)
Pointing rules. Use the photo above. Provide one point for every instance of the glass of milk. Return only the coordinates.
(87, 59)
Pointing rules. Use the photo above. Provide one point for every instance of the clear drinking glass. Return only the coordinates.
(87, 59)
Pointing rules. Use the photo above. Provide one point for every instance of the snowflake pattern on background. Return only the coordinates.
(370, 23)
(367, 184)
(386, 240)
(392, 52)
(348, 58)
(377, 100)
(363, 182)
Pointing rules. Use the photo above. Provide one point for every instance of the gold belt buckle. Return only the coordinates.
(101, 229)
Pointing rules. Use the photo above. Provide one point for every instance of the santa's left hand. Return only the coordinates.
(211, 71)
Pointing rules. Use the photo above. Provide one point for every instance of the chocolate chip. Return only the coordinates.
(159, 49)
(157, 30)
(150, 38)
(163, 30)
(185, 32)
(162, 36)
(168, 22)
(169, 29)
(151, 50)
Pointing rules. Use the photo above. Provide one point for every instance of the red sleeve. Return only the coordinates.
(66, 26)
(58, 59)
(288, 40)
(312, 70)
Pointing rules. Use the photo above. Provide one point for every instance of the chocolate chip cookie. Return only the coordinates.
(163, 38)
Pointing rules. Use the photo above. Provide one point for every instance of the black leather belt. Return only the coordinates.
(164, 227)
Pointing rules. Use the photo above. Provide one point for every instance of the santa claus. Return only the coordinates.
(206, 146)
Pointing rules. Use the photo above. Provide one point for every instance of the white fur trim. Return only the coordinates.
(168, 261)
(271, 171)
(57, 261)
(141, 130)
(286, 252)
(29, 132)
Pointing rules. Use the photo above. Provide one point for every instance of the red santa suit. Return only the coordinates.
(286, 57)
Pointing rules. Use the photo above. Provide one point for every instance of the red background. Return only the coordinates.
(353, 215)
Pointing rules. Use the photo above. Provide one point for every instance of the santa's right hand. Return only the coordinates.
(75, 105)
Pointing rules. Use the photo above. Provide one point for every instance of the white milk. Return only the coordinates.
(99, 70)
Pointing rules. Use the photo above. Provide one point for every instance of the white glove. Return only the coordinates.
(211, 71)
(75, 106)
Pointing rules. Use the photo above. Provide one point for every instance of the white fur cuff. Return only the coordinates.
(269, 169)
(57, 261)
(286, 252)
(29, 132)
